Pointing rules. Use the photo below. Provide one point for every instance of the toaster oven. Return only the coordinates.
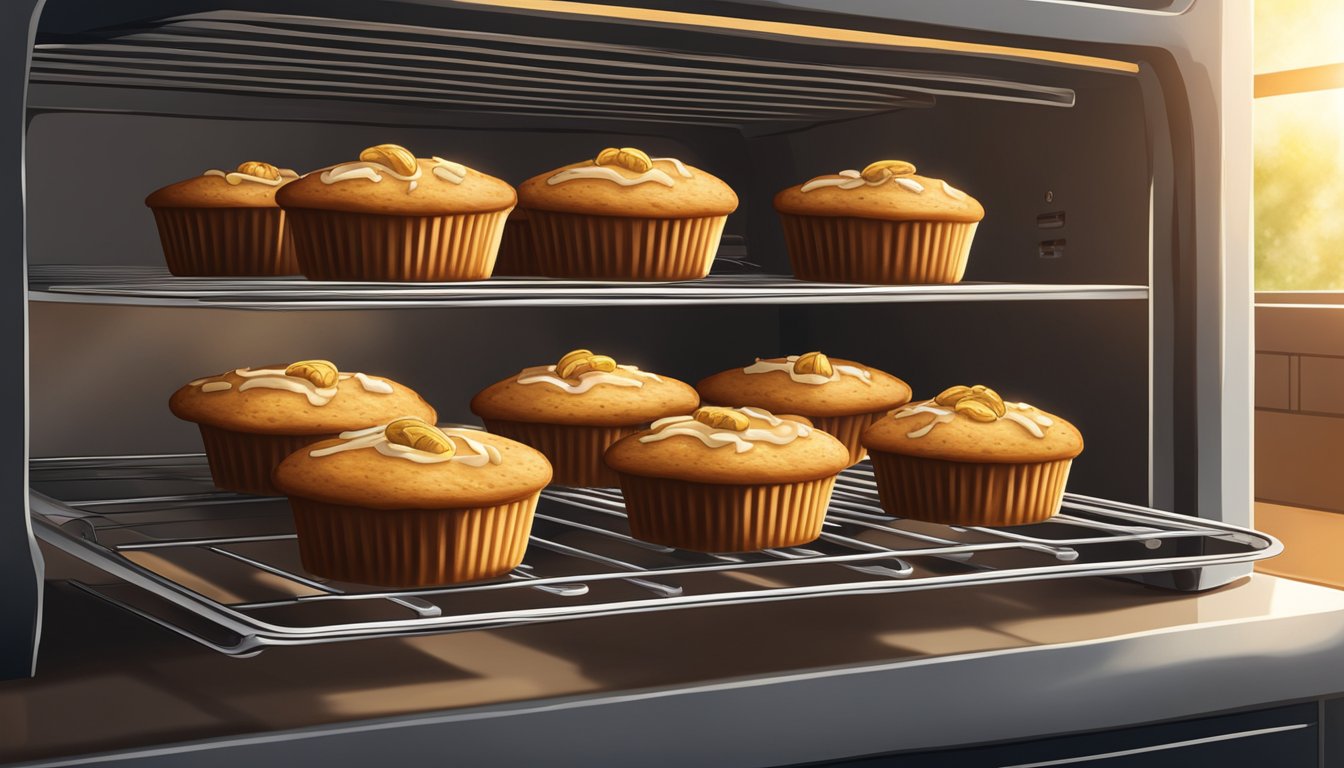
(1109, 280)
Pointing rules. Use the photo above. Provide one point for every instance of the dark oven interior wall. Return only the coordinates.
(119, 158)
(1084, 360)
(102, 375)
(1093, 157)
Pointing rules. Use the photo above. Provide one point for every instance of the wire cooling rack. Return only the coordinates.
(223, 568)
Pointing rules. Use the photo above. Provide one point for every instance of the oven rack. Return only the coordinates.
(146, 285)
(223, 569)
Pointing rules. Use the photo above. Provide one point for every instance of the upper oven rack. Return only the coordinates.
(484, 66)
(153, 286)
(223, 569)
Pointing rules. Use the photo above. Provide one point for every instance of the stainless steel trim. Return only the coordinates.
(1162, 747)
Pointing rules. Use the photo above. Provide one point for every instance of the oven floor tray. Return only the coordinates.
(223, 568)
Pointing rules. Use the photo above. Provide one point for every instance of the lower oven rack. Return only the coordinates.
(223, 568)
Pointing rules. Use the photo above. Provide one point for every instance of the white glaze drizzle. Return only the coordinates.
(545, 374)
(235, 178)
(852, 179)
(781, 431)
(953, 192)
(608, 173)
(1022, 414)
(445, 170)
(275, 378)
(376, 438)
(216, 386)
(765, 366)
(371, 384)
(940, 416)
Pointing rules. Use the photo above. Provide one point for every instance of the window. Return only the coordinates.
(1299, 145)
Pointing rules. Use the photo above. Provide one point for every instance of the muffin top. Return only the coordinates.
(627, 182)
(412, 464)
(811, 384)
(730, 446)
(389, 179)
(310, 397)
(974, 424)
(252, 185)
(886, 189)
(585, 389)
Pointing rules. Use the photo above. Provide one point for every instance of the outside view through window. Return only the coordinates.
(1299, 145)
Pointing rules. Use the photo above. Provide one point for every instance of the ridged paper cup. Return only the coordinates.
(962, 493)
(337, 245)
(516, 248)
(575, 451)
(243, 461)
(832, 249)
(624, 248)
(225, 242)
(411, 547)
(725, 518)
(848, 430)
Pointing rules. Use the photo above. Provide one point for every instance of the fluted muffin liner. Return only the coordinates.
(575, 451)
(226, 242)
(243, 461)
(411, 547)
(706, 517)
(964, 493)
(516, 248)
(832, 249)
(848, 430)
(338, 245)
(624, 248)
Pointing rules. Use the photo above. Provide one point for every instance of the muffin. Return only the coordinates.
(515, 248)
(252, 418)
(626, 216)
(573, 410)
(840, 397)
(881, 225)
(406, 504)
(225, 224)
(727, 480)
(393, 216)
(967, 457)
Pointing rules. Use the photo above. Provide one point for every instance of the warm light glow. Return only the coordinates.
(808, 31)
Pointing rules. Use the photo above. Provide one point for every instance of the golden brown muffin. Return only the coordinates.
(573, 410)
(727, 480)
(968, 457)
(880, 225)
(407, 504)
(393, 216)
(252, 418)
(626, 216)
(841, 397)
(225, 223)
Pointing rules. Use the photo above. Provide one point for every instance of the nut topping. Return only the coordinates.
(722, 418)
(420, 435)
(398, 158)
(628, 158)
(260, 170)
(322, 373)
(814, 362)
(979, 402)
(884, 168)
(581, 361)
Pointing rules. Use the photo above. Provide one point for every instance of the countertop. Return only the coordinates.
(763, 684)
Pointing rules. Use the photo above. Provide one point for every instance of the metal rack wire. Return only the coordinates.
(154, 286)
(223, 568)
